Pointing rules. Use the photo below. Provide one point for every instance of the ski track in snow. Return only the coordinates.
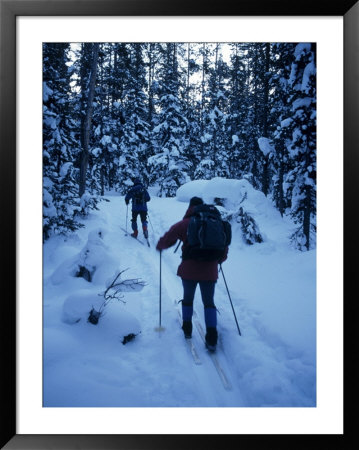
(204, 377)
(160, 370)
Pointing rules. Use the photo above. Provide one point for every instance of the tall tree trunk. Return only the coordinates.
(150, 79)
(102, 179)
(214, 139)
(188, 76)
(87, 123)
(266, 91)
(306, 216)
(202, 96)
(280, 205)
(266, 170)
(307, 206)
(265, 175)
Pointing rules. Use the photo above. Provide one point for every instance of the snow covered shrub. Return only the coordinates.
(87, 203)
(49, 213)
(249, 228)
(90, 305)
(94, 316)
(299, 239)
(60, 205)
(94, 263)
(85, 272)
(92, 255)
(114, 289)
(78, 305)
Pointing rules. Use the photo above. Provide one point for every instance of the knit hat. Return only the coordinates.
(195, 201)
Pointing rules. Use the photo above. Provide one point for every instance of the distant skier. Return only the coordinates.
(193, 272)
(139, 196)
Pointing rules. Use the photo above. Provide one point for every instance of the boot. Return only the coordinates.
(187, 311)
(210, 316)
(134, 228)
(211, 338)
(187, 329)
(145, 231)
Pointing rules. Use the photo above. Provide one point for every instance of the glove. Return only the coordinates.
(126, 202)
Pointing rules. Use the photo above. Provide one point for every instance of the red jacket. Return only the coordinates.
(189, 269)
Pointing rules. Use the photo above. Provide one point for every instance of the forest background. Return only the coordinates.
(175, 112)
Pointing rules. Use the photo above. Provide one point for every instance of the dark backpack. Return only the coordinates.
(138, 197)
(207, 235)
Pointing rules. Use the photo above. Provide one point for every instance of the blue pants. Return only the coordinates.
(207, 293)
(143, 216)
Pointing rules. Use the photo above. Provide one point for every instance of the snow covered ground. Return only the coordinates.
(272, 287)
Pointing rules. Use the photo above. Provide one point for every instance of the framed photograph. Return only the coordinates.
(282, 376)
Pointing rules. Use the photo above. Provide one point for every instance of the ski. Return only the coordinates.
(192, 348)
(226, 384)
(133, 237)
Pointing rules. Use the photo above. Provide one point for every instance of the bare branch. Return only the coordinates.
(134, 284)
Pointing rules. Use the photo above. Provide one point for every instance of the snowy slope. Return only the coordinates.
(272, 288)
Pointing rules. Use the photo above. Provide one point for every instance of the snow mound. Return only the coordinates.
(231, 193)
(94, 262)
(248, 209)
(78, 305)
(117, 320)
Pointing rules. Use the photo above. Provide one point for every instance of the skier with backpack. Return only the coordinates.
(139, 196)
(205, 238)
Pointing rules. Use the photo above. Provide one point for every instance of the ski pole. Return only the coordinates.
(160, 328)
(239, 331)
(150, 222)
(126, 217)
(177, 247)
(160, 286)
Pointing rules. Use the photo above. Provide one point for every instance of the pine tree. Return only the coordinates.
(238, 98)
(215, 136)
(191, 98)
(170, 133)
(172, 112)
(302, 149)
(281, 116)
(259, 64)
(60, 197)
(88, 92)
(135, 141)
(107, 123)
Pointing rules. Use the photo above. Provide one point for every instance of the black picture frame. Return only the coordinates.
(9, 10)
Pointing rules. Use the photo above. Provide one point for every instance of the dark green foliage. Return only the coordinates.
(60, 197)
(249, 228)
(175, 112)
